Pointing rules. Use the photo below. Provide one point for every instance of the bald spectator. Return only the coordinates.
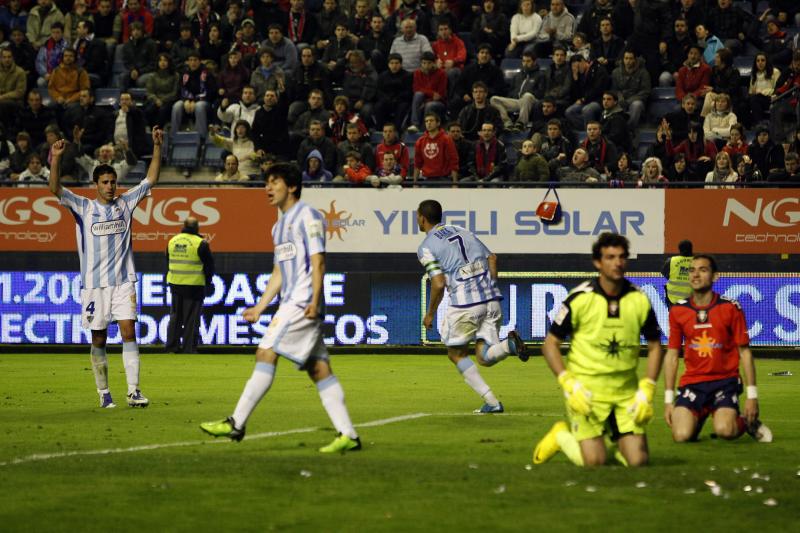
(580, 170)
(410, 45)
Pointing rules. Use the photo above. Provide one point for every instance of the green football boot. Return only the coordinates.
(342, 444)
(223, 428)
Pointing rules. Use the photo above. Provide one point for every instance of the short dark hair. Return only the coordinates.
(608, 239)
(57, 25)
(480, 85)
(275, 26)
(99, 170)
(431, 210)
(289, 173)
(711, 261)
(396, 56)
(88, 24)
(685, 247)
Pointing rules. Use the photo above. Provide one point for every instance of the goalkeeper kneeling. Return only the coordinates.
(608, 407)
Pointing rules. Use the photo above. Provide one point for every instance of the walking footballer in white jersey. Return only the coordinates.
(108, 275)
(295, 332)
(455, 258)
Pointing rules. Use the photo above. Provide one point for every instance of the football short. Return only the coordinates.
(463, 325)
(609, 417)
(708, 396)
(295, 337)
(101, 306)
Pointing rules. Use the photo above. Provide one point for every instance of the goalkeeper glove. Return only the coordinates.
(641, 408)
(579, 398)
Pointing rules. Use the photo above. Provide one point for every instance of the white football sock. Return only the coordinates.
(255, 389)
(100, 368)
(474, 380)
(496, 352)
(332, 396)
(130, 360)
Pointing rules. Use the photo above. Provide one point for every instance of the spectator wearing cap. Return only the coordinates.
(139, 57)
(430, 91)
(247, 43)
(482, 70)
(410, 45)
(284, 50)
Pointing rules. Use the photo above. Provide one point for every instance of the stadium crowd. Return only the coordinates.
(386, 93)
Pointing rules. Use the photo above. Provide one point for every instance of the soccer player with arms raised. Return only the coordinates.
(713, 333)
(296, 328)
(108, 275)
(604, 319)
(455, 258)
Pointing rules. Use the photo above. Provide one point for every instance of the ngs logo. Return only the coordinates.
(173, 211)
(18, 210)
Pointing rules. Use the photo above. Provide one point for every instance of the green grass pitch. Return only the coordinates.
(427, 464)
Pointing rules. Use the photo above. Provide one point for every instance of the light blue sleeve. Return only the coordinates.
(428, 259)
(313, 232)
(72, 201)
(133, 196)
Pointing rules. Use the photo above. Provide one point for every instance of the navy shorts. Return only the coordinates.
(708, 396)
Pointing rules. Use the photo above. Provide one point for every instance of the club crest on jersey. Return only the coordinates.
(109, 227)
(613, 308)
(431, 150)
(702, 316)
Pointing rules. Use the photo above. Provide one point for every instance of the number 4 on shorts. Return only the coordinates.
(90, 307)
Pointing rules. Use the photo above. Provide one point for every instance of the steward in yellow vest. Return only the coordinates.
(676, 270)
(191, 267)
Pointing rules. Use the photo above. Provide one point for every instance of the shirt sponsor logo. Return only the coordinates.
(471, 270)
(285, 251)
(110, 227)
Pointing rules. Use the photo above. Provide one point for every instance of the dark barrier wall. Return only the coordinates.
(365, 308)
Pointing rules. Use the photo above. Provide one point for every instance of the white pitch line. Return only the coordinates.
(146, 447)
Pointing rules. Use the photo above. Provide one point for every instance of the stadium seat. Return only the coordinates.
(544, 62)
(185, 149)
(647, 135)
(468, 44)
(139, 94)
(512, 156)
(106, 96)
(410, 138)
(45, 94)
(662, 93)
(642, 150)
(659, 108)
(510, 68)
(580, 136)
(137, 173)
(513, 139)
(744, 64)
(375, 137)
(213, 156)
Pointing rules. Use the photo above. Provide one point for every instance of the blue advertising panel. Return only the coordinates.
(372, 309)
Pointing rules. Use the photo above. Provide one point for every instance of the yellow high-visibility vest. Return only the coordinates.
(185, 266)
(678, 287)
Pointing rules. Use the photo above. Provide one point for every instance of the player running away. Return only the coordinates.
(713, 333)
(455, 258)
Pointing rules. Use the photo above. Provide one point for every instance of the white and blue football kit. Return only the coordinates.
(297, 235)
(474, 310)
(108, 274)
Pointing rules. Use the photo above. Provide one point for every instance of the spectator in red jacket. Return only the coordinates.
(430, 91)
(435, 155)
(354, 170)
(694, 77)
(451, 53)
